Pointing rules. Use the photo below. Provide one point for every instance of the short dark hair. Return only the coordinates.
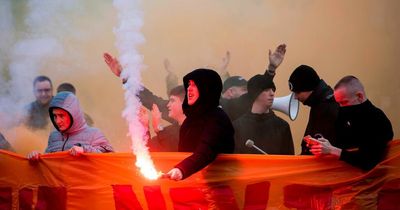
(42, 78)
(345, 80)
(352, 84)
(178, 91)
(66, 87)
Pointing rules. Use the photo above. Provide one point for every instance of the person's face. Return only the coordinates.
(266, 97)
(302, 96)
(343, 98)
(174, 107)
(62, 119)
(43, 92)
(237, 91)
(192, 93)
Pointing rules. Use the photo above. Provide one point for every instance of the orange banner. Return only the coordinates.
(111, 181)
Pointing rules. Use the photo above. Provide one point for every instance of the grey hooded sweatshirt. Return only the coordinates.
(91, 139)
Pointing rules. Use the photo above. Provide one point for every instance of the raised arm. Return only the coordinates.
(171, 79)
(146, 96)
(275, 59)
(223, 72)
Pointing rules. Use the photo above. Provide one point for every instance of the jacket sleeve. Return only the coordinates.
(148, 99)
(212, 139)
(52, 143)
(321, 121)
(268, 75)
(98, 144)
(373, 149)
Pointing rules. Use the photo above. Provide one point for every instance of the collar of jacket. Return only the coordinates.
(262, 116)
(322, 92)
(355, 109)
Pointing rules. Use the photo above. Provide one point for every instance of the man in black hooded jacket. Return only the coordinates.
(207, 130)
(315, 93)
(363, 130)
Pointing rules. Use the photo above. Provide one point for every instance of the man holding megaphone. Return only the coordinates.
(312, 91)
(268, 132)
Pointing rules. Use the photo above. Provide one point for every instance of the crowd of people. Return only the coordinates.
(208, 117)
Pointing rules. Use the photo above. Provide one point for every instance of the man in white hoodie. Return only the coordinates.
(72, 133)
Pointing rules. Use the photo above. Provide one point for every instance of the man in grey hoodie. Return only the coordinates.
(72, 133)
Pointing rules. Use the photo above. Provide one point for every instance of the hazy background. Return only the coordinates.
(337, 38)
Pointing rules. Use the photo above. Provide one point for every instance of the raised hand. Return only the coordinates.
(156, 118)
(113, 64)
(223, 72)
(276, 58)
(143, 117)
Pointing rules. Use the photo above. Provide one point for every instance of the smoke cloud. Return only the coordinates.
(128, 39)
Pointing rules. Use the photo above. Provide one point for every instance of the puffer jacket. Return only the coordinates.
(91, 139)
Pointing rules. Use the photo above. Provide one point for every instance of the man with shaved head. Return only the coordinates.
(362, 130)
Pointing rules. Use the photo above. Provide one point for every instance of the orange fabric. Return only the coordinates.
(111, 181)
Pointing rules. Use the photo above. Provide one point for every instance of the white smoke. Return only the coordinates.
(45, 26)
(7, 31)
(128, 38)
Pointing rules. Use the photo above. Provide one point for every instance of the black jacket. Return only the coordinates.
(323, 114)
(207, 130)
(38, 116)
(166, 140)
(268, 131)
(363, 132)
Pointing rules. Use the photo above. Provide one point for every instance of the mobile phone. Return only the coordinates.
(310, 140)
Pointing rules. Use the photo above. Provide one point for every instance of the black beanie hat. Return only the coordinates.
(303, 78)
(258, 84)
(234, 81)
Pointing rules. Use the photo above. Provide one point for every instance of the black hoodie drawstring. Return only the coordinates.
(65, 143)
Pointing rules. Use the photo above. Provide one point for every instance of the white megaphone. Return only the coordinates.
(287, 105)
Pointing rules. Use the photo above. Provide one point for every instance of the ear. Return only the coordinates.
(360, 96)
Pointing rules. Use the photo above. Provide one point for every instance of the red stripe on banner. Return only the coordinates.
(25, 198)
(125, 198)
(188, 198)
(305, 197)
(224, 198)
(5, 198)
(154, 197)
(54, 198)
(257, 196)
(389, 195)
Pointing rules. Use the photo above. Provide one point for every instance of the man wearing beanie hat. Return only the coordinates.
(234, 87)
(315, 93)
(260, 124)
(234, 99)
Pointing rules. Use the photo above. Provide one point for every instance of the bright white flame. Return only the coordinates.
(128, 39)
